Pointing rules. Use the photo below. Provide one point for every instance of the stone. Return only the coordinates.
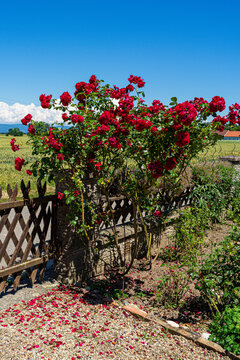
(172, 323)
(205, 335)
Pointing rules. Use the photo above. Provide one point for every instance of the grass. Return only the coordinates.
(222, 148)
(8, 173)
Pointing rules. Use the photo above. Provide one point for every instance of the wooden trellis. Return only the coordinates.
(27, 229)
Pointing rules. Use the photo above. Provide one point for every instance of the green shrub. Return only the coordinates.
(218, 277)
(172, 287)
(215, 188)
(189, 232)
(225, 329)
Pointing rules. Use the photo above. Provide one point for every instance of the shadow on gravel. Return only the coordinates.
(25, 282)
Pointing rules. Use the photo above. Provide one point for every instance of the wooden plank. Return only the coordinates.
(21, 203)
(33, 275)
(23, 266)
(3, 220)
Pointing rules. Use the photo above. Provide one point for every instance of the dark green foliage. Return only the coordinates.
(225, 329)
(218, 277)
(189, 232)
(215, 189)
(14, 132)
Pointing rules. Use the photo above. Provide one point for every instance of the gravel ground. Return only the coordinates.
(72, 323)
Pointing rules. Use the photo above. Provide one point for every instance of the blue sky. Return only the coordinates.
(180, 48)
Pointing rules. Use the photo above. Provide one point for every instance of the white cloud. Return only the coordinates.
(12, 114)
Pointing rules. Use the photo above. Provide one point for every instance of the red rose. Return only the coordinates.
(60, 195)
(60, 157)
(29, 172)
(76, 119)
(136, 80)
(157, 213)
(65, 98)
(76, 193)
(26, 119)
(45, 100)
(19, 163)
(93, 79)
(31, 130)
(217, 104)
(64, 116)
(186, 113)
(183, 138)
(98, 165)
(114, 143)
(13, 146)
(170, 163)
(156, 169)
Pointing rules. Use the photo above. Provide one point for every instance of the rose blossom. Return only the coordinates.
(19, 163)
(76, 119)
(183, 138)
(64, 116)
(157, 213)
(170, 163)
(26, 119)
(13, 146)
(60, 195)
(45, 100)
(60, 157)
(31, 130)
(217, 104)
(65, 98)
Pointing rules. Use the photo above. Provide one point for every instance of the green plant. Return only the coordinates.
(118, 294)
(216, 186)
(169, 253)
(189, 232)
(225, 329)
(234, 212)
(218, 276)
(172, 287)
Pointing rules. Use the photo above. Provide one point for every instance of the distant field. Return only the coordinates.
(223, 148)
(8, 174)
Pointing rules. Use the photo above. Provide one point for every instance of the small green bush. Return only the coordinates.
(215, 188)
(172, 287)
(189, 233)
(218, 276)
(225, 329)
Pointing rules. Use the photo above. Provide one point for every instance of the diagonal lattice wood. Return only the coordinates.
(9, 234)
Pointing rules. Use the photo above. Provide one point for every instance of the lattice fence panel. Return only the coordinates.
(26, 234)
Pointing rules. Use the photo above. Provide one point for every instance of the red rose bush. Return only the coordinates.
(112, 133)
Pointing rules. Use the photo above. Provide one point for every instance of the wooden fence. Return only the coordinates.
(27, 234)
